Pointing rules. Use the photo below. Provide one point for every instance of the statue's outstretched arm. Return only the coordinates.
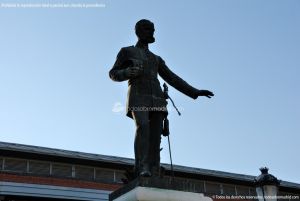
(175, 81)
(179, 84)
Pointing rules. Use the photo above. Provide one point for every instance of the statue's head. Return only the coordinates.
(144, 30)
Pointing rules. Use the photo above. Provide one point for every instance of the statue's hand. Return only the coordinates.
(132, 72)
(206, 93)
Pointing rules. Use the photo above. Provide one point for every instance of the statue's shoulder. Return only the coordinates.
(128, 51)
(155, 54)
(158, 58)
(128, 48)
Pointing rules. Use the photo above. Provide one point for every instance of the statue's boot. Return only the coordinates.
(145, 171)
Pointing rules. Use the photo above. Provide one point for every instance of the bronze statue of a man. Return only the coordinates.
(146, 103)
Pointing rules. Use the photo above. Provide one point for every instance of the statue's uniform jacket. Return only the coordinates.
(144, 91)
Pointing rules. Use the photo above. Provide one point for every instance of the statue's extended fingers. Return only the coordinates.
(210, 93)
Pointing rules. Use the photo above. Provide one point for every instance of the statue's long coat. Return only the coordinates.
(144, 91)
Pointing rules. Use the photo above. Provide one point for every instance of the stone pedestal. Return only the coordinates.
(156, 189)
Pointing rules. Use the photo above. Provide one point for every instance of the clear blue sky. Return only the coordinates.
(55, 90)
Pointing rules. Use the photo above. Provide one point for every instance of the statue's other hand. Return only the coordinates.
(206, 93)
(132, 72)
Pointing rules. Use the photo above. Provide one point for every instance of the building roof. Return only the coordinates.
(12, 149)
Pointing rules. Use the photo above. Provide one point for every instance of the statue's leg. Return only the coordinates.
(156, 125)
(141, 142)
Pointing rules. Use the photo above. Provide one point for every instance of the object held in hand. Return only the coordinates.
(166, 131)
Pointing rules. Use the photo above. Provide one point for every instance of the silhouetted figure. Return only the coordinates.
(146, 103)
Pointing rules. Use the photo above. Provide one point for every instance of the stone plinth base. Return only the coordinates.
(147, 189)
(157, 194)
